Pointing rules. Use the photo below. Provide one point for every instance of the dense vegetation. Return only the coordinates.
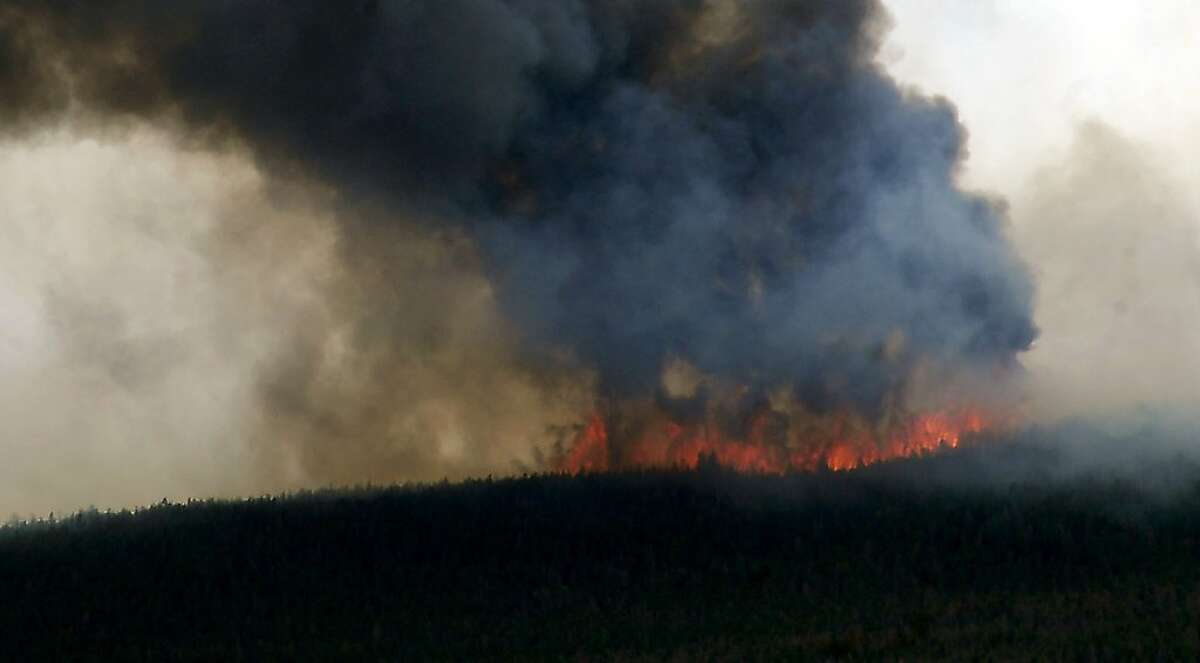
(890, 562)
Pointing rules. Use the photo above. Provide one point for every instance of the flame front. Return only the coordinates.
(842, 441)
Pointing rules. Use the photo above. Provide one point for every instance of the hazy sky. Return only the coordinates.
(1025, 73)
(116, 335)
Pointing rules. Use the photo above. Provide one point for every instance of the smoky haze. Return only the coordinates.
(1114, 239)
(517, 205)
(176, 325)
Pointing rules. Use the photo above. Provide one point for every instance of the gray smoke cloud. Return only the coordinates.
(620, 183)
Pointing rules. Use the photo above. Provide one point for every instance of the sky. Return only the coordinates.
(1081, 115)
(1025, 74)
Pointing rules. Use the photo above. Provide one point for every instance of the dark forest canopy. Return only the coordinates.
(893, 561)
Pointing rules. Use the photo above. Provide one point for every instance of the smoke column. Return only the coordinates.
(557, 199)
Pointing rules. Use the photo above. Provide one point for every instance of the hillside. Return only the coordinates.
(891, 562)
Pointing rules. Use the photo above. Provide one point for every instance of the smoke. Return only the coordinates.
(176, 325)
(527, 202)
(1115, 241)
(127, 362)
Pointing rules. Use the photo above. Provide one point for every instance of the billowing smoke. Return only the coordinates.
(530, 193)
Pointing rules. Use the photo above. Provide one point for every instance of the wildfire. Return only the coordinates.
(838, 442)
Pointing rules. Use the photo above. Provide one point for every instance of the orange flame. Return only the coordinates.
(839, 442)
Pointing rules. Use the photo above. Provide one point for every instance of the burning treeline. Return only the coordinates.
(689, 423)
(732, 187)
(839, 442)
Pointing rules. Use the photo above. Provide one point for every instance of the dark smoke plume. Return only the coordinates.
(737, 185)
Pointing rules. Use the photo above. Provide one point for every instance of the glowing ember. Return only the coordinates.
(837, 442)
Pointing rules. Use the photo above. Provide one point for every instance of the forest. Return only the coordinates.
(968, 554)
